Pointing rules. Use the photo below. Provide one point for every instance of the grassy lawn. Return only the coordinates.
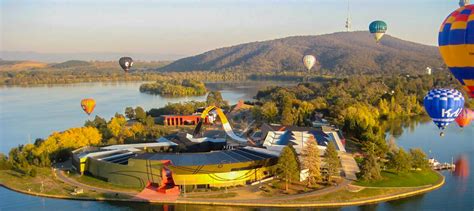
(277, 188)
(410, 179)
(91, 181)
(344, 195)
(33, 184)
(51, 185)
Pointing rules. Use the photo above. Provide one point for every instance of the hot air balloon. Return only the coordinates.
(470, 114)
(462, 167)
(443, 106)
(464, 118)
(309, 61)
(88, 105)
(126, 63)
(378, 29)
(463, 3)
(456, 45)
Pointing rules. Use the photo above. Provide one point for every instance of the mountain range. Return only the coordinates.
(337, 53)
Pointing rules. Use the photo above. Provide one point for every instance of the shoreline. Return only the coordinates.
(371, 200)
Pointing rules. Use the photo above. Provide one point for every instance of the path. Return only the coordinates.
(253, 197)
(349, 166)
(61, 176)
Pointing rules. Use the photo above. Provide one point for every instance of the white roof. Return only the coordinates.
(204, 139)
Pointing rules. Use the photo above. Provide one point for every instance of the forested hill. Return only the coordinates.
(337, 53)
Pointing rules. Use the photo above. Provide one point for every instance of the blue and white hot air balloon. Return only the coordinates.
(443, 106)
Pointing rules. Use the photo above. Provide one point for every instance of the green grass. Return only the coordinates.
(44, 182)
(91, 181)
(409, 179)
(51, 185)
(344, 195)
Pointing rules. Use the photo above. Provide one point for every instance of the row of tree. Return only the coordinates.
(289, 166)
(184, 87)
(58, 146)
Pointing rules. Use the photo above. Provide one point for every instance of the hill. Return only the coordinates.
(20, 65)
(70, 64)
(337, 53)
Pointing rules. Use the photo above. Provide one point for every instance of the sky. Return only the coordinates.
(189, 27)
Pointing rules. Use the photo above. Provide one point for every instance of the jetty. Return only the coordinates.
(435, 165)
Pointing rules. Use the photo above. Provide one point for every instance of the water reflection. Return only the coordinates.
(396, 127)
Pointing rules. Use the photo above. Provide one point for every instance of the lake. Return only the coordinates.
(37, 111)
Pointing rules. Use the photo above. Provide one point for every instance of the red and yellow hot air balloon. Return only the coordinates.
(456, 45)
(462, 167)
(88, 105)
(464, 118)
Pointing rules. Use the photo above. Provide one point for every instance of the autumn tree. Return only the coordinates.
(287, 114)
(100, 124)
(287, 166)
(331, 160)
(270, 111)
(116, 127)
(312, 162)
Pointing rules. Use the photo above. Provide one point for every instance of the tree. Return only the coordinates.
(140, 114)
(130, 113)
(100, 124)
(287, 116)
(312, 162)
(4, 164)
(418, 158)
(116, 127)
(332, 160)
(287, 166)
(370, 169)
(257, 114)
(400, 161)
(270, 111)
(215, 98)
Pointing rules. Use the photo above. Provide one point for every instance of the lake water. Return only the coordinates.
(37, 111)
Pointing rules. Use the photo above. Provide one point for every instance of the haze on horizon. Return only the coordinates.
(177, 28)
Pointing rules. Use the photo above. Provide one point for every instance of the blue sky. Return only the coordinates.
(190, 27)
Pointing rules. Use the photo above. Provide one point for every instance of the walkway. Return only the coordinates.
(61, 176)
(349, 166)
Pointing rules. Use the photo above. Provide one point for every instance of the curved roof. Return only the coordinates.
(211, 158)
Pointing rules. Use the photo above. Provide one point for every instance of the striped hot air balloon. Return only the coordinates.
(88, 105)
(456, 45)
(378, 29)
(309, 61)
(443, 106)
